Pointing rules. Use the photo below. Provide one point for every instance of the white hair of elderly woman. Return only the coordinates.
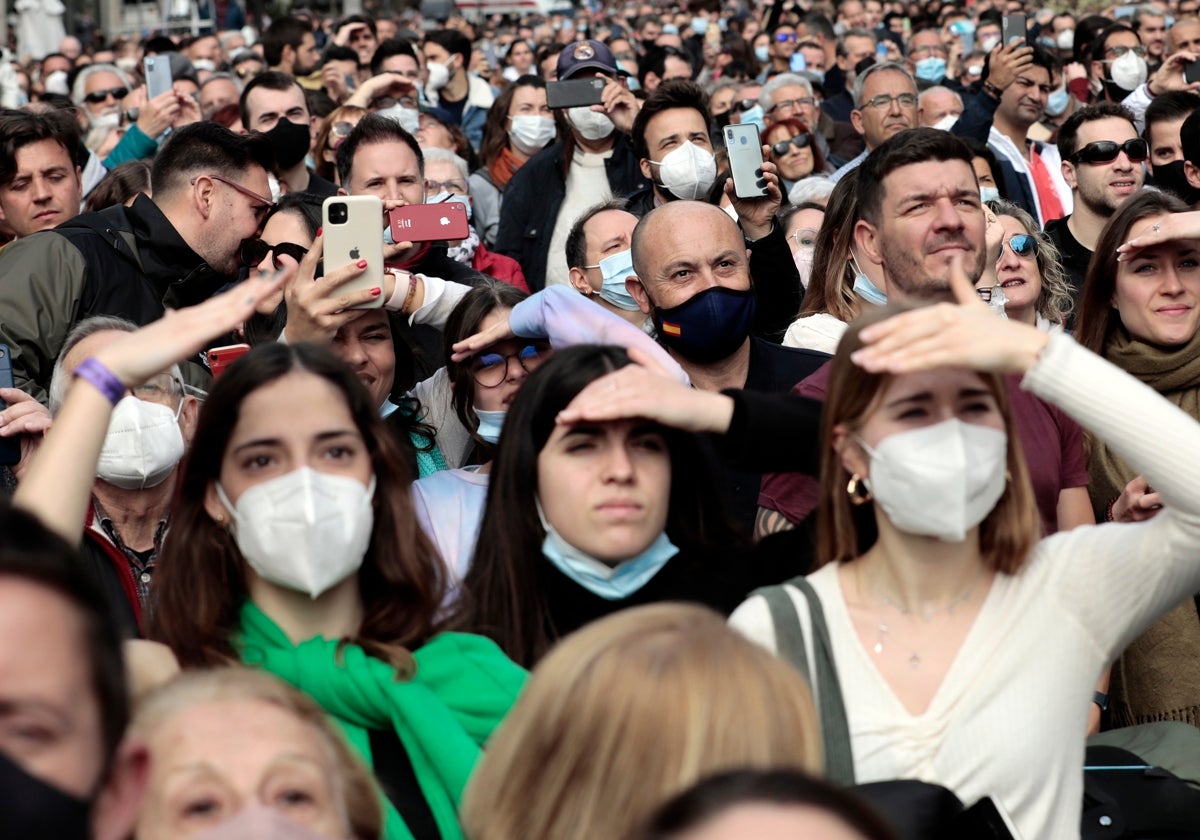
(816, 188)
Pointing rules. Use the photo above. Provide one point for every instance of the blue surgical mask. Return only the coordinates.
(699, 25)
(932, 69)
(612, 583)
(989, 194)
(1057, 101)
(864, 288)
(820, 74)
(762, 54)
(490, 424)
(754, 116)
(670, 29)
(615, 268)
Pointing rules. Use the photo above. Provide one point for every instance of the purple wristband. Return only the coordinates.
(101, 378)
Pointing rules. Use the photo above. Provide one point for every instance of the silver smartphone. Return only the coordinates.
(354, 231)
(745, 160)
(157, 70)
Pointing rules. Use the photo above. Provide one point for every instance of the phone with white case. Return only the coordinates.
(353, 231)
(745, 160)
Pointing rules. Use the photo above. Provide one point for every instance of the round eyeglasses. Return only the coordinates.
(491, 369)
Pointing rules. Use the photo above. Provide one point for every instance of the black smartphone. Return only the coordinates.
(1012, 28)
(10, 447)
(1191, 71)
(575, 93)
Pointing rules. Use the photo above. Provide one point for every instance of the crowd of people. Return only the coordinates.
(865, 507)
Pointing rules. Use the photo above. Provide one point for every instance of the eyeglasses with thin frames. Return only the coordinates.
(260, 210)
(904, 100)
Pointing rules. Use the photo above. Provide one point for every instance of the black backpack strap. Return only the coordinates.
(821, 676)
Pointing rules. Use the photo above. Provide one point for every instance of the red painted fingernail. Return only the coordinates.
(362, 263)
(319, 230)
(376, 292)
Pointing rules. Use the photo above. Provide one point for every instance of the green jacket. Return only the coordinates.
(443, 713)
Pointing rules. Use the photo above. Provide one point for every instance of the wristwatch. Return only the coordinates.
(1101, 700)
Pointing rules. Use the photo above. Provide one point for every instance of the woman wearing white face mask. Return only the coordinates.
(294, 549)
(966, 650)
(519, 125)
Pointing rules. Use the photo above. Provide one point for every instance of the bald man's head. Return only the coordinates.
(683, 222)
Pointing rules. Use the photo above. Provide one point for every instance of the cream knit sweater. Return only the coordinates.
(1008, 721)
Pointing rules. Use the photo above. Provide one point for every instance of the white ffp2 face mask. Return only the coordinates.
(687, 172)
(408, 118)
(1129, 72)
(940, 481)
(530, 133)
(439, 75)
(591, 125)
(306, 531)
(143, 444)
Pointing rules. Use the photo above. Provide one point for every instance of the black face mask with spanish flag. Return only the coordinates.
(708, 326)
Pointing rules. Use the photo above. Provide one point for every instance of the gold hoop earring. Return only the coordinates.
(857, 490)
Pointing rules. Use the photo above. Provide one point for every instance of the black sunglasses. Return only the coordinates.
(98, 96)
(254, 251)
(1106, 151)
(800, 141)
(743, 105)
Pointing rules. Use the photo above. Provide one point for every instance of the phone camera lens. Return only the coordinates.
(2, 353)
(338, 214)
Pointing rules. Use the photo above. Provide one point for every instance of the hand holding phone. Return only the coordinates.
(1013, 29)
(442, 222)
(575, 93)
(157, 70)
(352, 234)
(745, 160)
(1191, 72)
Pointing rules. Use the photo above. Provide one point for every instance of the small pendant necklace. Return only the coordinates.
(883, 629)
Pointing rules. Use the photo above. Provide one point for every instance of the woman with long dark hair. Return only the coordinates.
(587, 519)
(293, 548)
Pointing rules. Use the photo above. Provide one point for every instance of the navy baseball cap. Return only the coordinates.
(579, 56)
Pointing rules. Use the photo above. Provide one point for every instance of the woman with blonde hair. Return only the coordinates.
(237, 751)
(1029, 271)
(629, 711)
(839, 288)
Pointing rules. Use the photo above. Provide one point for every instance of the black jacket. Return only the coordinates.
(535, 194)
(124, 261)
